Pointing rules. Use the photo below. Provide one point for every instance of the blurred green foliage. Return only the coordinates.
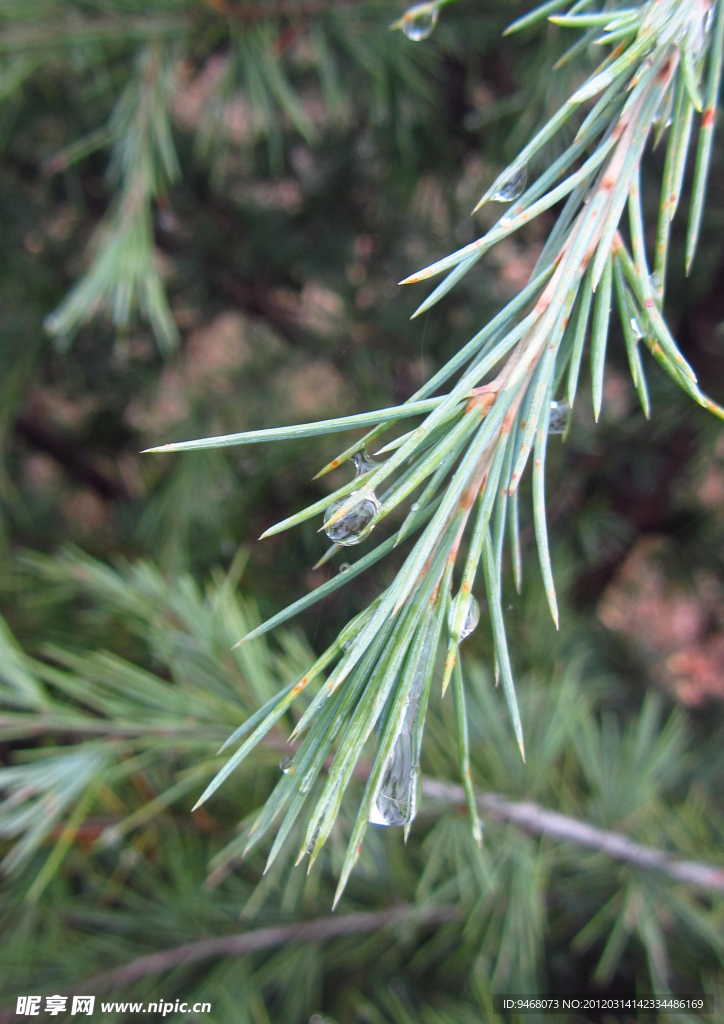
(322, 158)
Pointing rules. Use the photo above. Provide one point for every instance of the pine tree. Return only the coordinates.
(475, 441)
(599, 850)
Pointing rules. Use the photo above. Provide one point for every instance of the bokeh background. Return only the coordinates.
(322, 159)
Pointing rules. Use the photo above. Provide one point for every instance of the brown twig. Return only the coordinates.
(67, 453)
(534, 818)
(316, 930)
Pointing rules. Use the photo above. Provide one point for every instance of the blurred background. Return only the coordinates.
(205, 208)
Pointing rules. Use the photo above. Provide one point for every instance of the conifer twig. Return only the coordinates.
(541, 821)
(526, 814)
(315, 930)
(468, 455)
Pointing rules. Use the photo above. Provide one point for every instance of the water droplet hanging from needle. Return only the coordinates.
(512, 188)
(396, 801)
(558, 417)
(363, 463)
(356, 524)
(472, 616)
(419, 21)
(287, 764)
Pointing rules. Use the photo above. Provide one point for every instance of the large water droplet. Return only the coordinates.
(363, 463)
(472, 615)
(512, 188)
(471, 619)
(396, 802)
(354, 525)
(709, 20)
(418, 23)
(287, 765)
(558, 417)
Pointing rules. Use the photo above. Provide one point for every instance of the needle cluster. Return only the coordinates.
(461, 466)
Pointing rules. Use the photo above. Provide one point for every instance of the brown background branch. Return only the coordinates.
(316, 930)
(534, 818)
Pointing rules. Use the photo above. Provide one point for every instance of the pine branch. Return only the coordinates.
(124, 276)
(540, 821)
(124, 280)
(470, 451)
(111, 728)
(316, 930)
(527, 815)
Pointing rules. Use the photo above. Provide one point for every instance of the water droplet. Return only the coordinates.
(396, 802)
(129, 857)
(363, 463)
(558, 417)
(472, 615)
(418, 23)
(287, 765)
(471, 619)
(415, 507)
(512, 188)
(708, 20)
(344, 567)
(635, 327)
(505, 223)
(354, 525)
(698, 24)
(111, 836)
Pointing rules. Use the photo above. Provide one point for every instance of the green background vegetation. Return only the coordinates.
(322, 159)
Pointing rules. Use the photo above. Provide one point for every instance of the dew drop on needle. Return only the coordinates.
(396, 801)
(512, 188)
(472, 615)
(363, 463)
(558, 417)
(419, 22)
(356, 523)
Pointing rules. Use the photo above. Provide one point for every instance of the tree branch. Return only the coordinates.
(68, 454)
(316, 930)
(526, 814)
(534, 818)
